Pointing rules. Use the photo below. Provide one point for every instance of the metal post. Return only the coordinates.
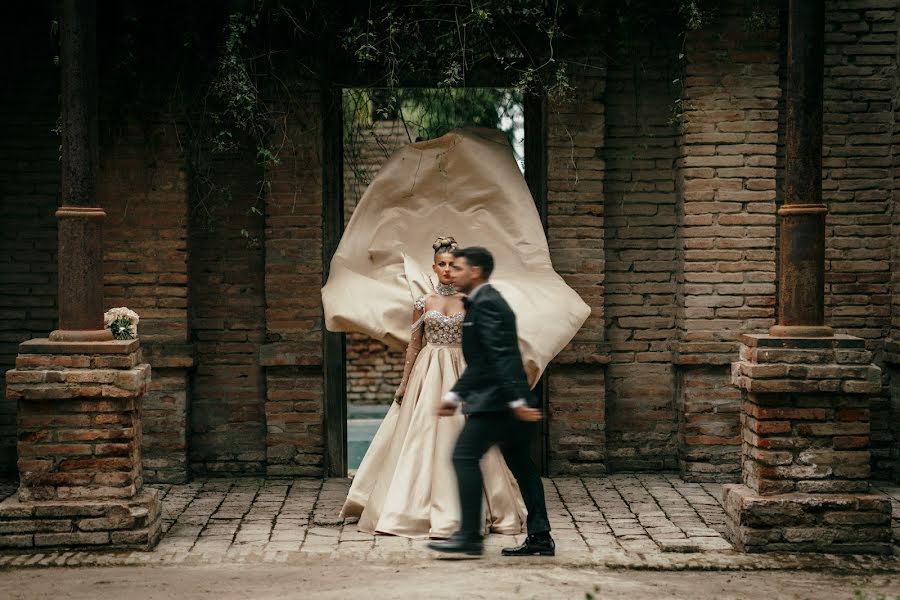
(80, 221)
(801, 284)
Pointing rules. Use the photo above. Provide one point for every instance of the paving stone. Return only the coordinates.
(621, 520)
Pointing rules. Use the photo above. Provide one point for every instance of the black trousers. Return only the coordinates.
(480, 433)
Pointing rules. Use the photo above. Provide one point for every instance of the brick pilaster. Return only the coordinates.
(292, 354)
(575, 207)
(726, 242)
(142, 186)
(860, 80)
(640, 230)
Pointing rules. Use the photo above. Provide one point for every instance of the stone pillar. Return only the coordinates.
(79, 438)
(80, 220)
(805, 463)
(79, 393)
(805, 458)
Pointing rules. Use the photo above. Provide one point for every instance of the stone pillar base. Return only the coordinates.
(797, 522)
(805, 453)
(130, 523)
(79, 447)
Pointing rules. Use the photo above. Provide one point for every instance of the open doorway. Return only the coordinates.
(376, 123)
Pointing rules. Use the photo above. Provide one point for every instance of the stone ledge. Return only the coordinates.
(32, 362)
(131, 523)
(837, 364)
(77, 383)
(796, 522)
(45, 346)
(790, 377)
(842, 341)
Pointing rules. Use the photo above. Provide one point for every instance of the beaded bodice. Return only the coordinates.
(442, 329)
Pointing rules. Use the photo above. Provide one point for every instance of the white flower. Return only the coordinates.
(122, 322)
(115, 313)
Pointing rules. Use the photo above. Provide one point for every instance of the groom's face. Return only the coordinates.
(464, 275)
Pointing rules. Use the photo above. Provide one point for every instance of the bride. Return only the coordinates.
(466, 180)
(405, 484)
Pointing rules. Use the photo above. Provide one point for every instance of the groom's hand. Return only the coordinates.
(447, 409)
(529, 415)
(449, 403)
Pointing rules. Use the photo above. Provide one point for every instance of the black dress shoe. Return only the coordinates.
(534, 545)
(459, 545)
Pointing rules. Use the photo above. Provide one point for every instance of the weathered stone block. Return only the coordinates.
(35, 526)
(799, 522)
(74, 538)
(16, 541)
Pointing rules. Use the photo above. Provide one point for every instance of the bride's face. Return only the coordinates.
(441, 266)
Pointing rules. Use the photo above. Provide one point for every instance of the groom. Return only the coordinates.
(496, 398)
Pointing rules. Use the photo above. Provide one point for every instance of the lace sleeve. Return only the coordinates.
(419, 305)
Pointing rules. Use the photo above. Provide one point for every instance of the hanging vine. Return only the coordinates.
(231, 74)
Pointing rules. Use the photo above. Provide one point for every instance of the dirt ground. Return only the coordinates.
(434, 580)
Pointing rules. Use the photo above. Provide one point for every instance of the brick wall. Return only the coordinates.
(727, 182)
(29, 192)
(640, 228)
(227, 316)
(668, 234)
(142, 185)
(373, 371)
(292, 355)
(860, 84)
(575, 205)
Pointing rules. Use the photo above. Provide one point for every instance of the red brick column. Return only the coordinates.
(805, 452)
(292, 356)
(79, 446)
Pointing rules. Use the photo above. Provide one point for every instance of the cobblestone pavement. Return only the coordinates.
(651, 521)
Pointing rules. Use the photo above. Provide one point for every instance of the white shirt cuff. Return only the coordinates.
(517, 403)
(452, 398)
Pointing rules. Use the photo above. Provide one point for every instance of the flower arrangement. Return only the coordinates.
(122, 322)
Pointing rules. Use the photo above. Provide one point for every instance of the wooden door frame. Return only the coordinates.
(536, 178)
(334, 346)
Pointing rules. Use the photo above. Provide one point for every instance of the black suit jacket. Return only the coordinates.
(494, 374)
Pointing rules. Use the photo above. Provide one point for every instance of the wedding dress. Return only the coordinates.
(405, 484)
(465, 184)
